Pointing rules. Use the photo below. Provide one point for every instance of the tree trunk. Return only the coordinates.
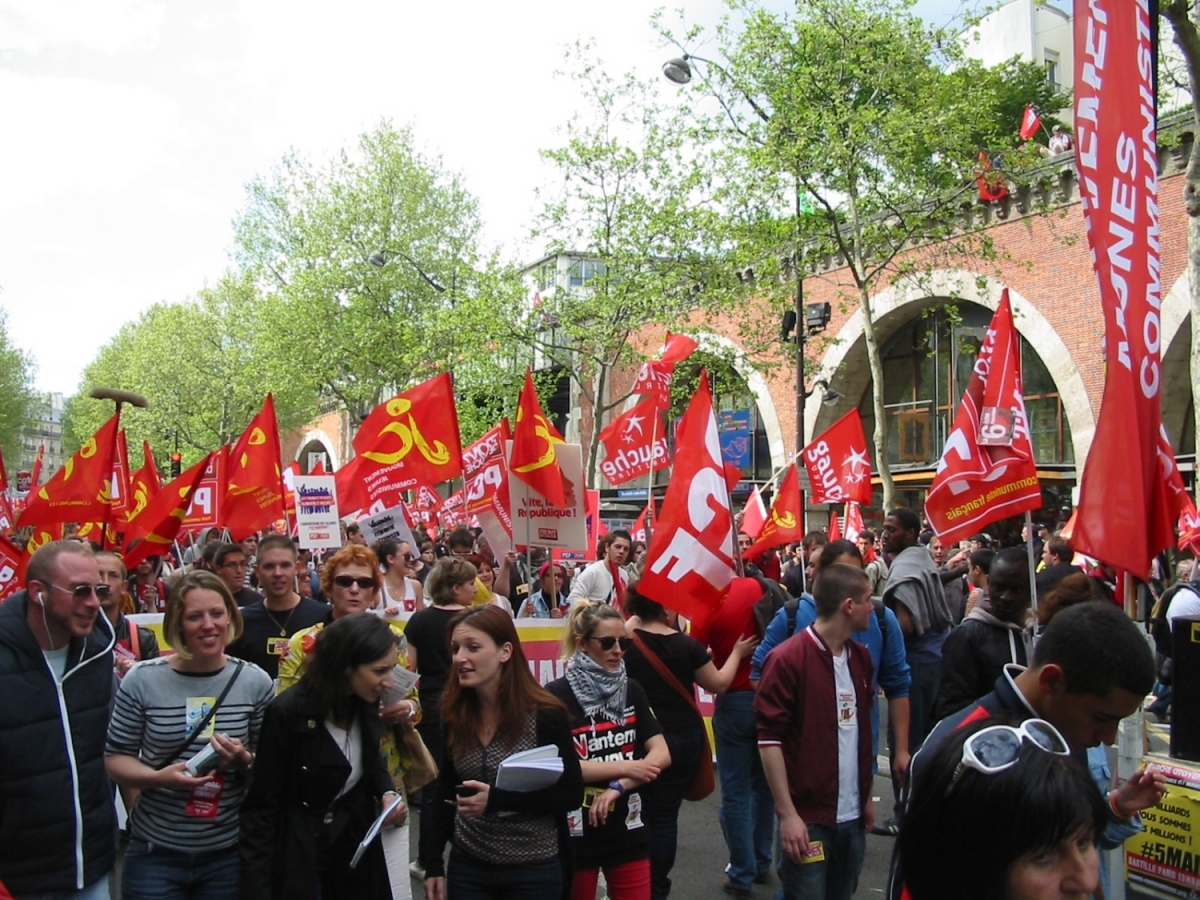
(875, 362)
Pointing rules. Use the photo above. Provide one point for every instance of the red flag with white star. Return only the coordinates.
(628, 452)
(837, 462)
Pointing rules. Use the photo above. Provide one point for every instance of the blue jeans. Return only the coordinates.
(468, 878)
(836, 877)
(747, 812)
(98, 890)
(663, 797)
(155, 873)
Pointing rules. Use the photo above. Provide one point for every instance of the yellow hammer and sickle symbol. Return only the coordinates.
(139, 501)
(787, 520)
(256, 437)
(409, 435)
(541, 429)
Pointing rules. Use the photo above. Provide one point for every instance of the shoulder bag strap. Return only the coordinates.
(661, 667)
(203, 723)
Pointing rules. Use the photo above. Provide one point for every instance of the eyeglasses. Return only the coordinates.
(607, 643)
(997, 748)
(408, 557)
(83, 591)
(233, 565)
(344, 581)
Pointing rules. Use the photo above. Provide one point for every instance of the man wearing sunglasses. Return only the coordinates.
(1091, 668)
(56, 674)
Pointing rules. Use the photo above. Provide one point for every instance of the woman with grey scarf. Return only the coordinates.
(621, 748)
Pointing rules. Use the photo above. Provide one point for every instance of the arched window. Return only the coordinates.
(926, 367)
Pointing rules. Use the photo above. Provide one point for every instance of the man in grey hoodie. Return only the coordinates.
(997, 632)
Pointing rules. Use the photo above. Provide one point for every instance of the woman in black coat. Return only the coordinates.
(319, 780)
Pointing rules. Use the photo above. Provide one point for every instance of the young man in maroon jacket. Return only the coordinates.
(814, 734)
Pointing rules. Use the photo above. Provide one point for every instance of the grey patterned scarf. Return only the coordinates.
(601, 692)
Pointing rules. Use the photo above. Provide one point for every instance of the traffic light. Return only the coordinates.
(176, 466)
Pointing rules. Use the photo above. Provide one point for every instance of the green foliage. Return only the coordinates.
(19, 404)
(205, 365)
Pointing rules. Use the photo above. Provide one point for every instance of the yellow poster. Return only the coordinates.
(1164, 860)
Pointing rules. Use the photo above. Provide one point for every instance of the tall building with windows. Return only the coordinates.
(46, 431)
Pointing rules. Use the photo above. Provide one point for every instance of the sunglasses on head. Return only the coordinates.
(83, 591)
(344, 581)
(997, 748)
(607, 643)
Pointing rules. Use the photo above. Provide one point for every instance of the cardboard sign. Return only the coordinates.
(537, 523)
(316, 511)
(1164, 860)
(391, 523)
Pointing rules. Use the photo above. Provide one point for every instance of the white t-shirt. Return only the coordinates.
(57, 660)
(1185, 604)
(350, 743)
(849, 806)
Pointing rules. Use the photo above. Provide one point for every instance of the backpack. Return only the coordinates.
(1160, 628)
(793, 606)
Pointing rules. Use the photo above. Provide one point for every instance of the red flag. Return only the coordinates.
(3, 475)
(10, 567)
(351, 487)
(429, 501)
(143, 484)
(754, 515)
(1189, 527)
(81, 490)
(414, 436)
(319, 468)
(157, 525)
(1030, 122)
(122, 503)
(290, 471)
(640, 530)
(837, 462)
(596, 528)
(990, 180)
(854, 522)
(987, 471)
(785, 523)
(41, 536)
(690, 563)
(452, 512)
(254, 491)
(8, 519)
(677, 348)
(1127, 510)
(835, 528)
(533, 457)
(485, 474)
(208, 500)
(628, 453)
(654, 380)
(37, 469)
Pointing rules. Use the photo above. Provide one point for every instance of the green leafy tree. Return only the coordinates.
(205, 365)
(373, 265)
(631, 207)
(847, 132)
(20, 405)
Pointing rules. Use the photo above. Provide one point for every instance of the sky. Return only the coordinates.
(129, 129)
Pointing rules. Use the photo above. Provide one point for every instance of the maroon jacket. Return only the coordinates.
(796, 707)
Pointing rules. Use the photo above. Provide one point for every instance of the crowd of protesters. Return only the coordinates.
(252, 748)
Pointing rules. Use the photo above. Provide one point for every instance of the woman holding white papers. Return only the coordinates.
(621, 747)
(505, 843)
(320, 780)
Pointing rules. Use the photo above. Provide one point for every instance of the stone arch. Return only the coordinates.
(313, 441)
(844, 365)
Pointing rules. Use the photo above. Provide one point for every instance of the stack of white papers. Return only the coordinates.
(530, 770)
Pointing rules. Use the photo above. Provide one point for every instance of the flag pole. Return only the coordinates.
(1029, 553)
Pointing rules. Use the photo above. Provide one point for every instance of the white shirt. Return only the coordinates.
(57, 660)
(350, 743)
(1185, 604)
(849, 807)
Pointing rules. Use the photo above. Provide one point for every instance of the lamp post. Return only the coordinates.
(379, 259)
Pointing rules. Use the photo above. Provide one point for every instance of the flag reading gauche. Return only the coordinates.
(689, 566)
(837, 462)
(628, 452)
(987, 470)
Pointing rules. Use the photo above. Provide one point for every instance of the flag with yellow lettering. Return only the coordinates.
(81, 491)
(413, 437)
(254, 489)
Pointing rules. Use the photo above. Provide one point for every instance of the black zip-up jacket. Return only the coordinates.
(58, 827)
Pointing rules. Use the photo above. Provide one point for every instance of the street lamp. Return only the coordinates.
(379, 259)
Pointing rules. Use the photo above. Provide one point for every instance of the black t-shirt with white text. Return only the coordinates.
(625, 836)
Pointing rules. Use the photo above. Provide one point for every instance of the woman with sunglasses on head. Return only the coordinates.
(351, 580)
(506, 844)
(622, 748)
(450, 588)
(1005, 813)
(184, 828)
(400, 591)
(690, 663)
(321, 779)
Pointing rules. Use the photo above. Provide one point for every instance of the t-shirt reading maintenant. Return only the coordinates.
(155, 709)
